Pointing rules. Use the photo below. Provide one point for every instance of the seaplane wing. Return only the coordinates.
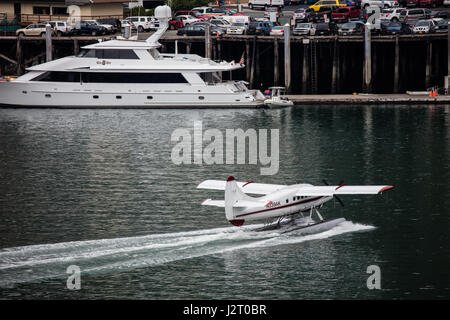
(246, 187)
(337, 190)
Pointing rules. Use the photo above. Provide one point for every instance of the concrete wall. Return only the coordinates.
(90, 10)
(8, 8)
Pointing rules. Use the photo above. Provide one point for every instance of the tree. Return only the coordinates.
(186, 4)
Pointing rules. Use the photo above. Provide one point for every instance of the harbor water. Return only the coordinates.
(98, 189)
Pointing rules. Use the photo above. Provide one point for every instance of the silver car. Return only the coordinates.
(304, 28)
(237, 28)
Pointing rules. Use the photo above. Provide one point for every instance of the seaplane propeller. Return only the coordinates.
(325, 182)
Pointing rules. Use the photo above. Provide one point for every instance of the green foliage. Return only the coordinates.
(186, 4)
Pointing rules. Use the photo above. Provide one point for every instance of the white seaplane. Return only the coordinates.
(280, 202)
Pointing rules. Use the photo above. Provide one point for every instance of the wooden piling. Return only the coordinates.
(276, 61)
(335, 71)
(428, 65)
(76, 47)
(48, 43)
(396, 65)
(19, 57)
(287, 58)
(305, 66)
(252, 71)
(188, 48)
(248, 61)
(367, 59)
(208, 42)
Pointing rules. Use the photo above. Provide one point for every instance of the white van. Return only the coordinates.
(241, 19)
(265, 3)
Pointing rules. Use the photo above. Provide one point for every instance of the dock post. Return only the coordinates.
(248, 61)
(276, 61)
(367, 59)
(48, 42)
(396, 65)
(287, 58)
(428, 65)
(208, 43)
(19, 57)
(305, 66)
(335, 71)
(252, 71)
(76, 47)
(188, 47)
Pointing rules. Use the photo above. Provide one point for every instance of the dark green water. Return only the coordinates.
(98, 189)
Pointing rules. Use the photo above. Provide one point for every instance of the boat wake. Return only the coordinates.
(37, 262)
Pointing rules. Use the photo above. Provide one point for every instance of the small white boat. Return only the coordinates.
(275, 100)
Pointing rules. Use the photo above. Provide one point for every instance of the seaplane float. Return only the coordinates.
(284, 208)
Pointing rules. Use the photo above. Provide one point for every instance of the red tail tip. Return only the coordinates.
(230, 178)
(237, 222)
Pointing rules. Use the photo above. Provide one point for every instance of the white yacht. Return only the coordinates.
(129, 73)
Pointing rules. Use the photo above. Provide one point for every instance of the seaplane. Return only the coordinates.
(284, 208)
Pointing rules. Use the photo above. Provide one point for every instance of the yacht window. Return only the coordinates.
(58, 76)
(109, 54)
(114, 77)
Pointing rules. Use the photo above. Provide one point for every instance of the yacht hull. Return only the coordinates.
(75, 95)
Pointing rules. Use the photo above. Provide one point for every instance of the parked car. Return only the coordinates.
(323, 15)
(415, 14)
(220, 23)
(328, 3)
(304, 28)
(325, 29)
(395, 27)
(196, 14)
(351, 28)
(143, 23)
(344, 14)
(440, 14)
(38, 29)
(259, 27)
(108, 27)
(303, 14)
(115, 23)
(277, 31)
(424, 26)
(176, 23)
(265, 3)
(89, 28)
(391, 14)
(62, 28)
(187, 19)
(237, 28)
(198, 29)
(379, 3)
(209, 11)
(442, 26)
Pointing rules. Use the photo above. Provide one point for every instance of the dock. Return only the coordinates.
(309, 65)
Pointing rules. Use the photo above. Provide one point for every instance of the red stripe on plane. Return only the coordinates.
(386, 188)
(343, 185)
(248, 183)
(276, 208)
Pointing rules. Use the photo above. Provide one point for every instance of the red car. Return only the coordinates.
(176, 23)
(191, 13)
(344, 14)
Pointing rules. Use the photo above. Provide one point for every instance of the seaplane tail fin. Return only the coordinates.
(234, 194)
